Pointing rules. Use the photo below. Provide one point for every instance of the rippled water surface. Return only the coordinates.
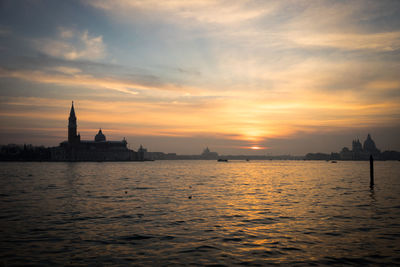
(199, 213)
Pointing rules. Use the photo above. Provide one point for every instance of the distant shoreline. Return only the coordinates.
(29, 153)
(345, 160)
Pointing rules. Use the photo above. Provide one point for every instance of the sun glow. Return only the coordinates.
(257, 147)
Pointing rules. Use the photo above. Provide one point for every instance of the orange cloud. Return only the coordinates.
(387, 41)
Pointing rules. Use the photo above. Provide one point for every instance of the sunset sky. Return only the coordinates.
(286, 77)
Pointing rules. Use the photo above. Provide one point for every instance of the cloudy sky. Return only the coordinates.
(286, 77)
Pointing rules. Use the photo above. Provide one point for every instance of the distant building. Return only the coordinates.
(141, 154)
(369, 146)
(98, 149)
(207, 154)
(360, 152)
(346, 154)
(357, 147)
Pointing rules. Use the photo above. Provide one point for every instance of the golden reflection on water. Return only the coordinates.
(255, 212)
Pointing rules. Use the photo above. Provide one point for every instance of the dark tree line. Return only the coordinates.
(12, 152)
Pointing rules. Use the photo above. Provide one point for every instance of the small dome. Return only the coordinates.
(100, 137)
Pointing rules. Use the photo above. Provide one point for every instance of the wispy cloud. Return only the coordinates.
(67, 70)
(387, 41)
(199, 11)
(72, 44)
(66, 76)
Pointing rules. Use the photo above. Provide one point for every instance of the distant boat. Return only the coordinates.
(333, 161)
(222, 160)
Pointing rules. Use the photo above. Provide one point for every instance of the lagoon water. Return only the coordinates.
(199, 213)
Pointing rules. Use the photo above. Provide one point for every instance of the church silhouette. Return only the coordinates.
(99, 149)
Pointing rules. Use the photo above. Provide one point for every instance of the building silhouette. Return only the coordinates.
(207, 154)
(360, 152)
(99, 149)
(369, 146)
(356, 145)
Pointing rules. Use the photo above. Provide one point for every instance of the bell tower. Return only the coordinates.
(72, 127)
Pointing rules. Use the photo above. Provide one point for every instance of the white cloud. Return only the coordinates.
(72, 45)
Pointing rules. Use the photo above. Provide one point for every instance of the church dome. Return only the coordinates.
(369, 144)
(100, 137)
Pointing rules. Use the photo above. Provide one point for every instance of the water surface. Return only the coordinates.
(199, 213)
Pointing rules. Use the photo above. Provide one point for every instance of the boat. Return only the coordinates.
(333, 161)
(222, 160)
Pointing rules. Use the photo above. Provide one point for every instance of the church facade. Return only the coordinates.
(360, 152)
(99, 149)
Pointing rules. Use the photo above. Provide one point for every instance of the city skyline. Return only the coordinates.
(244, 78)
(355, 141)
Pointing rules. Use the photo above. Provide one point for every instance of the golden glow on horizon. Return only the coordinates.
(257, 147)
(229, 72)
(218, 118)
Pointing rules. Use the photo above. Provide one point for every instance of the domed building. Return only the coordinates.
(99, 149)
(369, 146)
(207, 154)
(100, 137)
(359, 152)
